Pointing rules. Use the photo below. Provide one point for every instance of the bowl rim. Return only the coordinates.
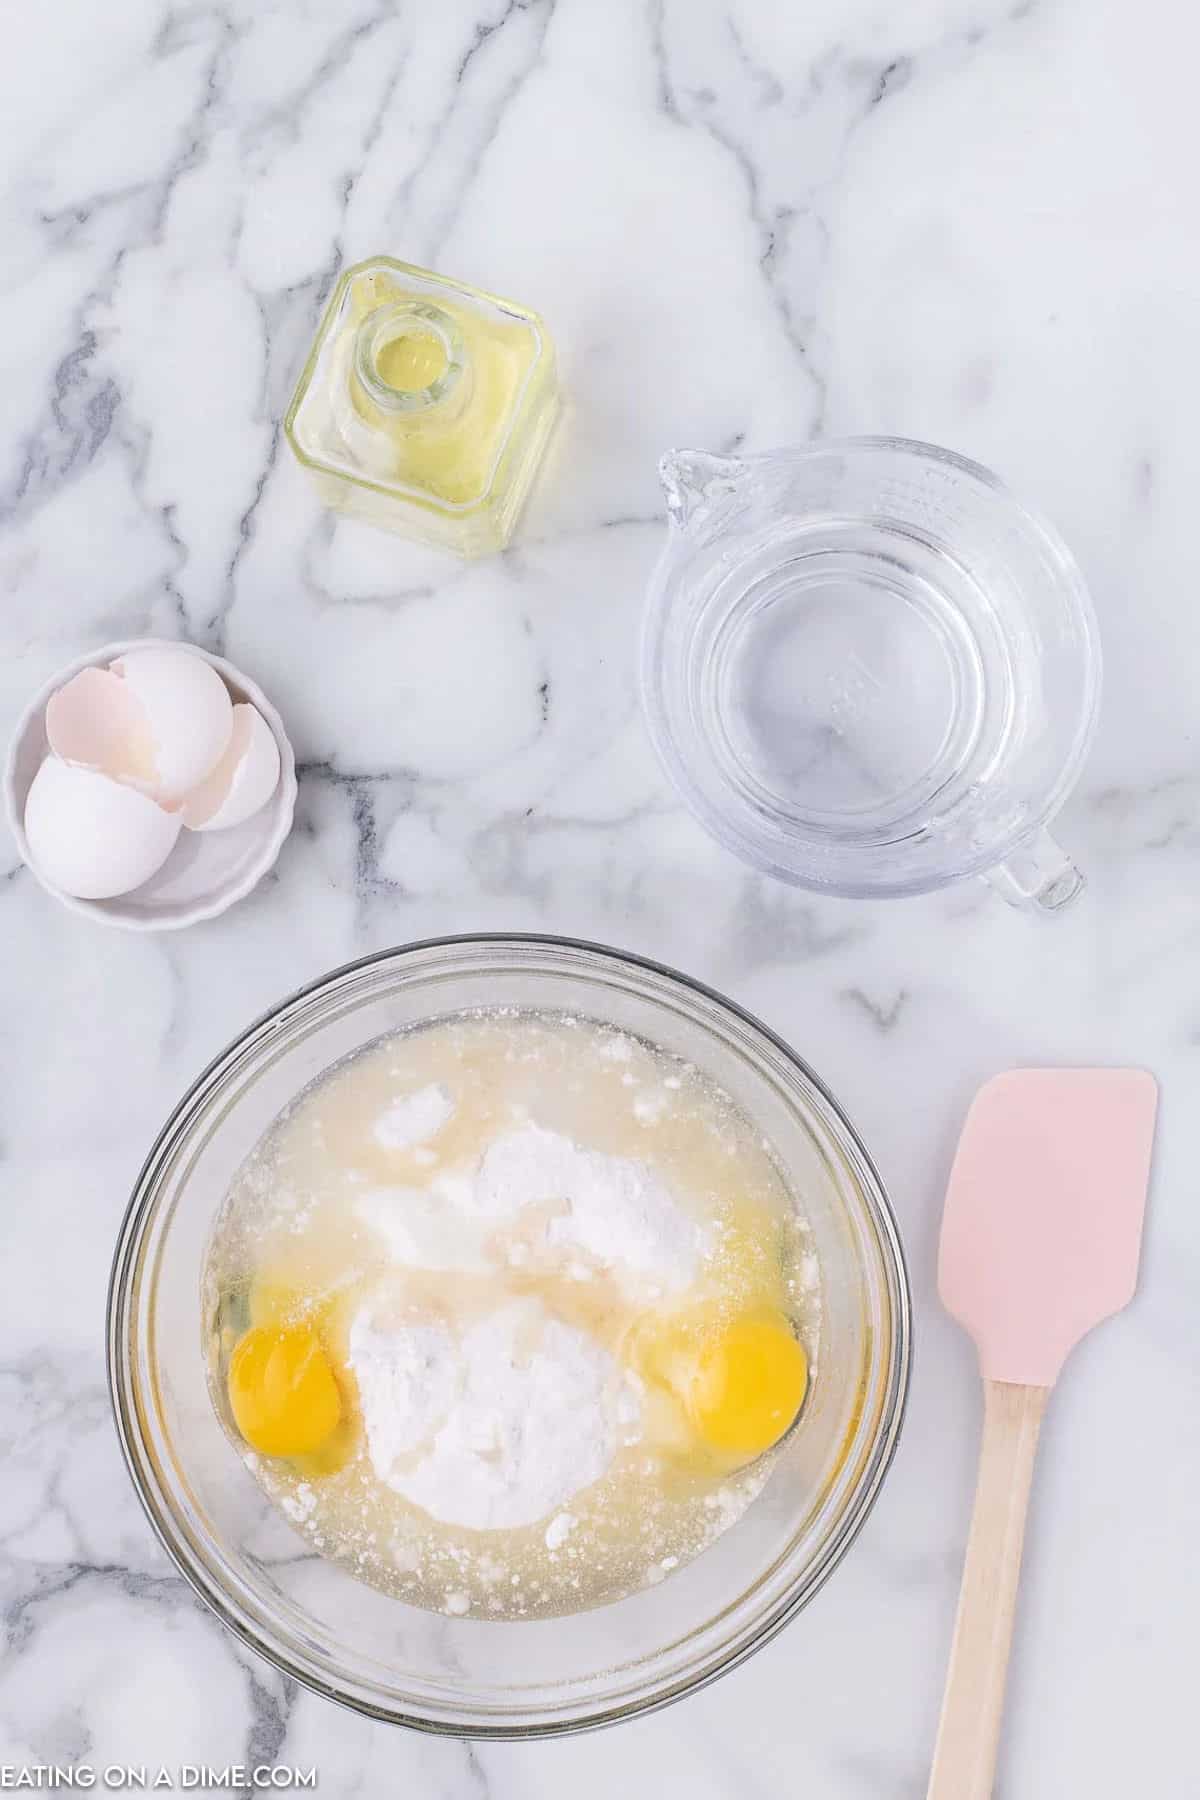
(286, 791)
(140, 1209)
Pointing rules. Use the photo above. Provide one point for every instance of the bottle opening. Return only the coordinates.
(409, 357)
(412, 361)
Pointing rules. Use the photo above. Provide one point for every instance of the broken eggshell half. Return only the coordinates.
(206, 870)
(244, 778)
(158, 719)
(92, 837)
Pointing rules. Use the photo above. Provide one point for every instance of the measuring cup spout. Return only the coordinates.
(692, 477)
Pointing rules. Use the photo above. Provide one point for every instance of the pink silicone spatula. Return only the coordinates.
(1040, 1242)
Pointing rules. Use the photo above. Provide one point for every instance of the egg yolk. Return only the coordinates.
(741, 1383)
(736, 1385)
(282, 1391)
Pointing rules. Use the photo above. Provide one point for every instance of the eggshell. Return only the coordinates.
(92, 837)
(188, 713)
(94, 720)
(244, 779)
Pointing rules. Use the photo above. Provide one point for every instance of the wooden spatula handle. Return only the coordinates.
(964, 1762)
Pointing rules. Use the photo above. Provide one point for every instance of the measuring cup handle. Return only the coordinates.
(1040, 874)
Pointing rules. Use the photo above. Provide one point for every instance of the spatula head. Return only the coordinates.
(1043, 1220)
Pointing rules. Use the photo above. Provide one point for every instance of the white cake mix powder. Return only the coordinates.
(537, 1197)
(613, 1209)
(493, 1429)
(414, 1118)
(500, 1425)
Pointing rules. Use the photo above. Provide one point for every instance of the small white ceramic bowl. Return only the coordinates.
(207, 871)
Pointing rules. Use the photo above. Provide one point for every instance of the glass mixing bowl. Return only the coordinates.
(472, 1677)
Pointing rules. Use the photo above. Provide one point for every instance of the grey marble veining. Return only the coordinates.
(964, 220)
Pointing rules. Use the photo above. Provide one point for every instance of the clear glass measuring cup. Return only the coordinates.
(869, 669)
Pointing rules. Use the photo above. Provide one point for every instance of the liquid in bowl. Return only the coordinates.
(563, 1289)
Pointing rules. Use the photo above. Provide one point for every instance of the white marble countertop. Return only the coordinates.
(964, 220)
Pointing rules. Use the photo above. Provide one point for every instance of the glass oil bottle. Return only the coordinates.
(425, 406)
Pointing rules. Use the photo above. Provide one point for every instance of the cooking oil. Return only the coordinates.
(425, 406)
